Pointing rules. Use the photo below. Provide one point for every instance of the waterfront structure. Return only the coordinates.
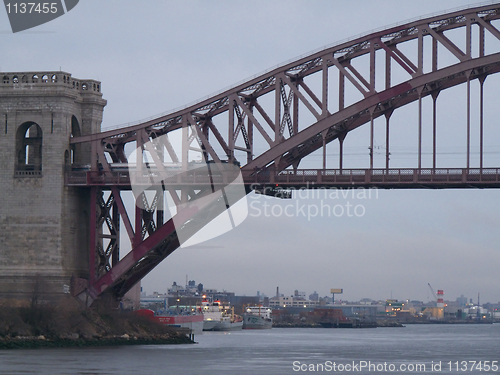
(462, 301)
(291, 301)
(360, 310)
(44, 224)
(314, 297)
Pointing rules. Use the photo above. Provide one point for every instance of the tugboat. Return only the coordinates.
(257, 317)
(220, 318)
(193, 321)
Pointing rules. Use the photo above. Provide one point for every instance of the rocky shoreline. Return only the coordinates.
(31, 342)
(66, 323)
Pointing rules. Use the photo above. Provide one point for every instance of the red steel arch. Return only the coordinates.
(265, 111)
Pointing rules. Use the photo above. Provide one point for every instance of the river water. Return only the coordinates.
(440, 348)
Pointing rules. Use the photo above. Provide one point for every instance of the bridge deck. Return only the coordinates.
(310, 178)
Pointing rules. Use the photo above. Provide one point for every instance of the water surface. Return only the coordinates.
(276, 351)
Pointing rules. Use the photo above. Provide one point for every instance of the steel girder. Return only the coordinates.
(267, 108)
(243, 99)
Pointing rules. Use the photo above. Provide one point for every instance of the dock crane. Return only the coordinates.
(437, 296)
(433, 292)
(438, 311)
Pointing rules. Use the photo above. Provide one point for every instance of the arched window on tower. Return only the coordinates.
(29, 140)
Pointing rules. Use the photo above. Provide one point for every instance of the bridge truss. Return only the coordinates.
(289, 114)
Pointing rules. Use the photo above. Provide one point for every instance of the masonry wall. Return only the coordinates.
(44, 225)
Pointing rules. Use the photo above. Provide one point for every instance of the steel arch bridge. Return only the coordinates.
(287, 112)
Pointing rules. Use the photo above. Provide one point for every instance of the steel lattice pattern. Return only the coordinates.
(263, 114)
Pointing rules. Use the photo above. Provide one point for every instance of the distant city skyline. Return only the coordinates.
(307, 294)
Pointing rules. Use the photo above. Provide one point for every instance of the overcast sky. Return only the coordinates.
(156, 55)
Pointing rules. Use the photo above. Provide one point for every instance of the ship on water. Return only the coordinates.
(219, 317)
(257, 317)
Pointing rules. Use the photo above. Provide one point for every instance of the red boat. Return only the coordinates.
(194, 321)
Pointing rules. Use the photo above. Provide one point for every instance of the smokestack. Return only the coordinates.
(278, 291)
(440, 298)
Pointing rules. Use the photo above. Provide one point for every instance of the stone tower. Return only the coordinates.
(44, 225)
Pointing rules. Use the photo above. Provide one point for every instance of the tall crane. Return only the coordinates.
(437, 296)
(433, 292)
